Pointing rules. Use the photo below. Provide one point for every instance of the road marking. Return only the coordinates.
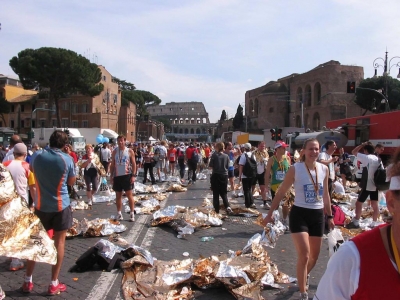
(107, 279)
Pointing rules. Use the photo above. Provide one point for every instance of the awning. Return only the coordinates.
(111, 134)
(152, 139)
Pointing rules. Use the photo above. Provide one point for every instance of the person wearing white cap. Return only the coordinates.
(368, 266)
(247, 179)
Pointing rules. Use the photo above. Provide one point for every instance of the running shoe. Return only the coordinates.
(352, 225)
(132, 218)
(120, 217)
(15, 266)
(55, 290)
(27, 287)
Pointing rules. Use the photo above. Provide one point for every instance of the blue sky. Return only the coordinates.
(207, 51)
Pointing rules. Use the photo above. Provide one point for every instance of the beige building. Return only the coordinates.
(311, 98)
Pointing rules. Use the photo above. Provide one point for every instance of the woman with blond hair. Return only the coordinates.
(306, 219)
(90, 173)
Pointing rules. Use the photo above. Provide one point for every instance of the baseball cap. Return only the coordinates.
(280, 144)
(20, 148)
(247, 146)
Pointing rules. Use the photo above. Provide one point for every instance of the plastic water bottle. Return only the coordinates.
(206, 238)
(382, 200)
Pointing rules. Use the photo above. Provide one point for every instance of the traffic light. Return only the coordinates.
(279, 134)
(351, 87)
(273, 134)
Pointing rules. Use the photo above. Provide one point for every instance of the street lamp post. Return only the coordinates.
(387, 65)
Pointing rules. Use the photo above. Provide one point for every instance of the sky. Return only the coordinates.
(211, 51)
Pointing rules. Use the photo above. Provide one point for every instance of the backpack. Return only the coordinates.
(181, 154)
(380, 178)
(250, 167)
(338, 215)
(195, 156)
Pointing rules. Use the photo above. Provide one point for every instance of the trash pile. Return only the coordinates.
(22, 235)
(95, 228)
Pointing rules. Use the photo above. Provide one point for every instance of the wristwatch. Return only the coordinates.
(330, 217)
(134, 175)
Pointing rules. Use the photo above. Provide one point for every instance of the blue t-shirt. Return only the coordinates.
(52, 168)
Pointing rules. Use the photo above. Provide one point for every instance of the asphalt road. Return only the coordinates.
(164, 245)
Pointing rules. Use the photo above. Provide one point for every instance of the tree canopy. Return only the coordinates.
(124, 85)
(370, 94)
(238, 119)
(142, 99)
(61, 71)
(223, 115)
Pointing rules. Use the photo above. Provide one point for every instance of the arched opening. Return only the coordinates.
(298, 121)
(175, 129)
(255, 108)
(198, 131)
(317, 94)
(316, 122)
(180, 130)
(251, 108)
(307, 95)
(186, 131)
(299, 97)
(191, 131)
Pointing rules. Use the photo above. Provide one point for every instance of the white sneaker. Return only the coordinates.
(120, 217)
(16, 265)
(90, 203)
(132, 218)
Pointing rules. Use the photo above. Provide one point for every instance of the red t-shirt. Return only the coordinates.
(207, 151)
(74, 157)
(171, 154)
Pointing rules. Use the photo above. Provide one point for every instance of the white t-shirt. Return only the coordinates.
(304, 186)
(242, 160)
(9, 155)
(331, 166)
(370, 161)
(340, 280)
(338, 188)
(163, 151)
(105, 154)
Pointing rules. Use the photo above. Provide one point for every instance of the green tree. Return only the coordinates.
(369, 93)
(5, 108)
(238, 119)
(60, 71)
(223, 115)
(124, 85)
(142, 99)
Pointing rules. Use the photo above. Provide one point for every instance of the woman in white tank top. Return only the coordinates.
(306, 221)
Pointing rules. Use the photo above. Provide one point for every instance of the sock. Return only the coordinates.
(119, 213)
(28, 278)
(54, 283)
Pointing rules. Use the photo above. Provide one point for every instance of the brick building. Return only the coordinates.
(76, 110)
(189, 120)
(313, 97)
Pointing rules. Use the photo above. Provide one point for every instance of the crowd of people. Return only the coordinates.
(46, 191)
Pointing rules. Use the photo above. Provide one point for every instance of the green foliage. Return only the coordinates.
(166, 122)
(124, 85)
(238, 119)
(223, 115)
(369, 98)
(142, 99)
(5, 108)
(61, 71)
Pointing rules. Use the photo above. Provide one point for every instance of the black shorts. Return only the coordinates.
(122, 183)
(373, 195)
(58, 221)
(105, 164)
(260, 179)
(307, 220)
(91, 182)
(231, 173)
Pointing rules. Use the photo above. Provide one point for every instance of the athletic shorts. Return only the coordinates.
(160, 164)
(307, 220)
(91, 182)
(122, 183)
(172, 162)
(260, 179)
(58, 221)
(231, 174)
(373, 195)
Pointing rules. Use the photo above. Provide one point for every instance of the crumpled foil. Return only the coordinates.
(247, 212)
(95, 228)
(79, 205)
(176, 188)
(107, 249)
(101, 198)
(22, 235)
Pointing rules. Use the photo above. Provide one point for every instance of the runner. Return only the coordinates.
(123, 175)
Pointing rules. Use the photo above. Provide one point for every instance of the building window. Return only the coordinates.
(307, 95)
(42, 123)
(53, 122)
(64, 123)
(299, 97)
(115, 97)
(298, 121)
(64, 105)
(316, 121)
(85, 108)
(33, 107)
(317, 93)
(104, 78)
(74, 124)
(74, 108)
(22, 124)
(85, 124)
(11, 123)
(22, 108)
(12, 109)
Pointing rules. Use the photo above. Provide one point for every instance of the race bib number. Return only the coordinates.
(231, 163)
(310, 195)
(172, 155)
(280, 175)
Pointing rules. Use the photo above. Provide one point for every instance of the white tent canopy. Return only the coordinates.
(111, 134)
(152, 139)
